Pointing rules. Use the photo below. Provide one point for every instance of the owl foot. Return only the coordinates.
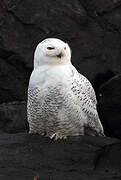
(57, 136)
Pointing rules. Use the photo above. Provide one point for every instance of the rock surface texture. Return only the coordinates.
(13, 117)
(29, 157)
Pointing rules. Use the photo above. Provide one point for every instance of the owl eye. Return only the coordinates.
(50, 48)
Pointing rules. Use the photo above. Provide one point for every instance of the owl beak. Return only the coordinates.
(59, 55)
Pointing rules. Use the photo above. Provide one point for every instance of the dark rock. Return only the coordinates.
(25, 156)
(101, 6)
(13, 117)
(100, 79)
(110, 106)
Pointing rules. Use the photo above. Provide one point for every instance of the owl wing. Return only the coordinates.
(87, 87)
(84, 94)
(86, 98)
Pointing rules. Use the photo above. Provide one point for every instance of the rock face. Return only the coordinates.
(25, 156)
(13, 117)
(110, 106)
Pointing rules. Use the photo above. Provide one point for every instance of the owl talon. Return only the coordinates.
(43, 134)
(53, 136)
(56, 137)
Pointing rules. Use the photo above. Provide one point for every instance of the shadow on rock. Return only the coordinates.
(109, 106)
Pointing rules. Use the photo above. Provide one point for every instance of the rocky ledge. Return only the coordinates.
(24, 156)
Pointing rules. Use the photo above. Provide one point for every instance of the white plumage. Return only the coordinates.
(61, 101)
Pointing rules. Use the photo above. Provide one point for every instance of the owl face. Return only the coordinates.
(52, 51)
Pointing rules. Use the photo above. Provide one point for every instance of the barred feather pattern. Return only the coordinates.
(64, 111)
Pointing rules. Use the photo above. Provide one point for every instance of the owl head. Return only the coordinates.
(52, 51)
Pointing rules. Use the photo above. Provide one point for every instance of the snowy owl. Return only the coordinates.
(61, 101)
